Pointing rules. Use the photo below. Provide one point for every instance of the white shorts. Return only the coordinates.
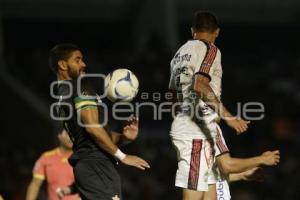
(223, 191)
(196, 154)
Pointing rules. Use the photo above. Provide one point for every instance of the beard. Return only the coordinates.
(74, 74)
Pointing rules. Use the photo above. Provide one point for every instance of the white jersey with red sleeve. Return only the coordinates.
(196, 57)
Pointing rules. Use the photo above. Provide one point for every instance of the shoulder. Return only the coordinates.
(50, 153)
(45, 157)
(193, 47)
(201, 47)
(191, 44)
(199, 44)
(202, 44)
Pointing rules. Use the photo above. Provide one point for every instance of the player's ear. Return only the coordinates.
(193, 32)
(62, 65)
(217, 31)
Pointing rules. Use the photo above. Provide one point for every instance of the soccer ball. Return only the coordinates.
(121, 85)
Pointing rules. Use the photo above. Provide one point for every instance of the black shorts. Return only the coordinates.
(97, 179)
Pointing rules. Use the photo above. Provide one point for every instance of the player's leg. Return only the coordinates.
(219, 148)
(211, 193)
(189, 143)
(223, 190)
(97, 179)
(192, 169)
(192, 194)
(213, 173)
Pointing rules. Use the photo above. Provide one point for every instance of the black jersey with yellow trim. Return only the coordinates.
(73, 98)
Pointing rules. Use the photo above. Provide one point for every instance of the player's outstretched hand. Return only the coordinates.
(135, 162)
(62, 191)
(271, 158)
(130, 131)
(237, 124)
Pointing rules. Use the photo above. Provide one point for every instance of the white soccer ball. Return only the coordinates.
(121, 85)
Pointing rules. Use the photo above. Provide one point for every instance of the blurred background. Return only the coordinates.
(259, 42)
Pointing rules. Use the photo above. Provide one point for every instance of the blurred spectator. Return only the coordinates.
(53, 167)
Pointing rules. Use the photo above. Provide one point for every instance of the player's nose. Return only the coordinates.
(83, 64)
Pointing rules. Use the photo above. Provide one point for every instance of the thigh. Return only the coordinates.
(97, 179)
(193, 170)
(211, 194)
(192, 194)
(223, 190)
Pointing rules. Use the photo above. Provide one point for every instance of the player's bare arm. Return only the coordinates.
(34, 188)
(202, 87)
(254, 174)
(229, 165)
(90, 119)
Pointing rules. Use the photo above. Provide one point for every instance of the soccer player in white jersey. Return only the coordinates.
(196, 74)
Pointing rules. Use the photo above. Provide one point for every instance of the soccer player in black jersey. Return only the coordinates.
(95, 147)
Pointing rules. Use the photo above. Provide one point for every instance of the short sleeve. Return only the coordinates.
(39, 169)
(85, 102)
(205, 62)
